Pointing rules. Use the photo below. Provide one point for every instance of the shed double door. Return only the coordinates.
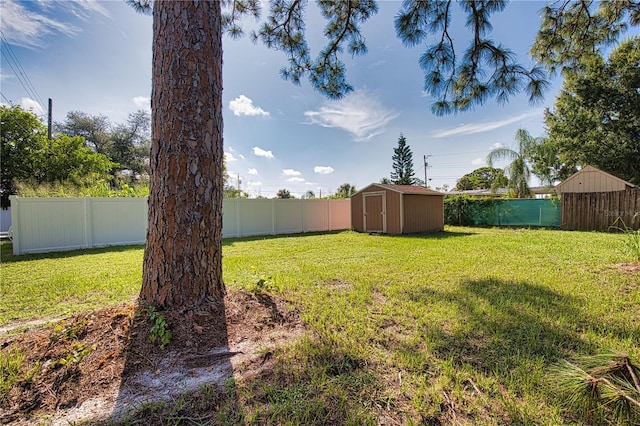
(375, 219)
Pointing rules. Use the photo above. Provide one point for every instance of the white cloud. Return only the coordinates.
(497, 145)
(377, 64)
(253, 172)
(323, 170)
(468, 129)
(295, 179)
(5, 76)
(255, 184)
(29, 104)
(229, 157)
(27, 28)
(359, 113)
(291, 172)
(244, 106)
(91, 6)
(262, 153)
(142, 102)
(478, 161)
(230, 149)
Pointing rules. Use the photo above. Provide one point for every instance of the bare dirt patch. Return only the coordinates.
(629, 268)
(98, 367)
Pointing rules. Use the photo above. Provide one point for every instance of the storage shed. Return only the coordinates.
(591, 179)
(397, 209)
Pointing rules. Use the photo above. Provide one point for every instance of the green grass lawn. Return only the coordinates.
(57, 284)
(461, 325)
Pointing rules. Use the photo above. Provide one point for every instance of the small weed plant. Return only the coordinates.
(10, 366)
(77, 351)
(631, 243)
(159, 330)
(260, 283)
(12, 371)
(71, 331)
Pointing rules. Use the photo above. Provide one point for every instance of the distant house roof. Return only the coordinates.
(592, 179)
(405, 189)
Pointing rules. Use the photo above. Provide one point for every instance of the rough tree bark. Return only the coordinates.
(183, 257)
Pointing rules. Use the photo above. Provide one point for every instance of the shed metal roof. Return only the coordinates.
(404, 189)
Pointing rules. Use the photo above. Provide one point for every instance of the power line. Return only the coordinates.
(5, 98)
(20, 73)
(12, 56)
(458, 153)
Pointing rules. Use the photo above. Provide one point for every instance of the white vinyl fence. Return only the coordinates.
(56, 224)
(5, 220)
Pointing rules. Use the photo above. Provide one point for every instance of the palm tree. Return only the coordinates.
(346, 190)
(518, 170)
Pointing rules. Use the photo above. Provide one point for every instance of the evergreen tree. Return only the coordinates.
(402, 173)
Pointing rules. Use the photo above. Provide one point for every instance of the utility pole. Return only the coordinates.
(238, 182)
(426, 165)
(50, 119)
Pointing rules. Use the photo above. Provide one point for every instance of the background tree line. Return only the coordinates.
(345, 190)
(86, 152)
(127, 144)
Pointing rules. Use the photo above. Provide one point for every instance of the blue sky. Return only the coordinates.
(95, 56)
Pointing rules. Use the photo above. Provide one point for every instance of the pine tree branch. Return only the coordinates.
(634, 377)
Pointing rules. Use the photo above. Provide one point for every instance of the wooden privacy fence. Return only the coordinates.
(55, 224)
(598, 211)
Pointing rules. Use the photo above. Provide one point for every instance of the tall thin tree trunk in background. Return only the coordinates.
(183, 256)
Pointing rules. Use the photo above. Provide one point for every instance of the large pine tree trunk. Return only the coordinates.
(183, 256)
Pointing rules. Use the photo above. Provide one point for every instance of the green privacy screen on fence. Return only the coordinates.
(464, 210)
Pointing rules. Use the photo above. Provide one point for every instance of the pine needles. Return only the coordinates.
(604, 387)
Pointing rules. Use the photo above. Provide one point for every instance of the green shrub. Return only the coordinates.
(99, 188)
(464, 210)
